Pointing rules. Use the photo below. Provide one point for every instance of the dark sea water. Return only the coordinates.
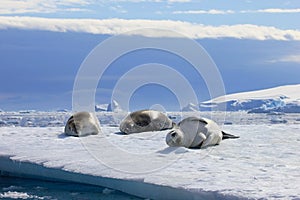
(19, 188)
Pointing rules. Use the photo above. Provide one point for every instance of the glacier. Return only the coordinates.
(263, 163)
(285, 99)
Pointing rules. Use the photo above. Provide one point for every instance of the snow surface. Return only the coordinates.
(263, 163)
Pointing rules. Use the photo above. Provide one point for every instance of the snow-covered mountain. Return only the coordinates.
(285, 99)
(279, 99)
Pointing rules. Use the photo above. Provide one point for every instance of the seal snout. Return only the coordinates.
(172, 138)
(127, 127)
(173, 134)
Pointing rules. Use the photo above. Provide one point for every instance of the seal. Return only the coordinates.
(82, 124)
(145, 120)
(194, 132)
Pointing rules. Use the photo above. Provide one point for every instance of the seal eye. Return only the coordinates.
(173, 134)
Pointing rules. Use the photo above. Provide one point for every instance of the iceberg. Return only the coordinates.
(191, 107)
(114, 106)
(101, 107)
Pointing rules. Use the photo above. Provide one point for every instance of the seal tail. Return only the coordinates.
(229, 136)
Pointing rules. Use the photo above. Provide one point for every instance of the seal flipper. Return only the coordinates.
(228, 136)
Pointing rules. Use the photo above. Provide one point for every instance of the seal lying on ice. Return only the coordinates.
(194, 132)
(82, 124)
(145, 120)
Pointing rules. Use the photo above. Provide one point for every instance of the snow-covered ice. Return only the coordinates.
(263, 163)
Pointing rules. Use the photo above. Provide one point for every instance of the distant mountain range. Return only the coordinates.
(284, 99)
(279, 99)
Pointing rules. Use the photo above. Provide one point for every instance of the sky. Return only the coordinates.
(254, 43)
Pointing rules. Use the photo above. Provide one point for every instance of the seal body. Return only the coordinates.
(82, 124)
(194, 132)
(145, 120)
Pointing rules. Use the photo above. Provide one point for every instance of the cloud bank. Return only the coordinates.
(273, 10)
(210, 12)
(121, 26)
(227, 12)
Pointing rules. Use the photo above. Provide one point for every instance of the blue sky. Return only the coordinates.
(255, 44)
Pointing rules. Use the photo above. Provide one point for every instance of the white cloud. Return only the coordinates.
(73, 2)
(154, 1)
(223, 12)
(121, 26)
(41, 6)
(118, 9)
(25, 6)
(179, 1)
(287, 59)
(272, 10)
(211, 12)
